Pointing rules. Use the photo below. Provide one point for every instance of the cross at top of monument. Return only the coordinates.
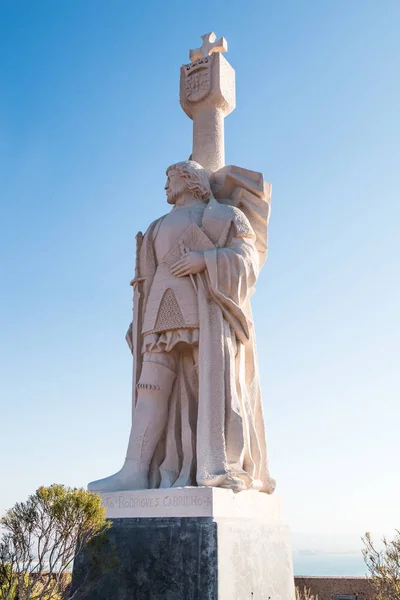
(210, 44)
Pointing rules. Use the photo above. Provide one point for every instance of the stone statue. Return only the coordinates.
(197, 416)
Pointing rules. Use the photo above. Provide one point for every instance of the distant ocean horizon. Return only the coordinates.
(329, 564)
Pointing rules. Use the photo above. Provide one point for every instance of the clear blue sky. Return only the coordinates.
(90, 119)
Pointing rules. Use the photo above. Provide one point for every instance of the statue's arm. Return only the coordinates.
(233, 269)
(236, 237)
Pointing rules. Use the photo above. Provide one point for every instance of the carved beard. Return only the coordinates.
(173, 196)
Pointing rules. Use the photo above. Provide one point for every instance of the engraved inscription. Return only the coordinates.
(123, 502)
(149, 502)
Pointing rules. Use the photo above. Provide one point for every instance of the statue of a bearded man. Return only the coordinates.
(197, 416)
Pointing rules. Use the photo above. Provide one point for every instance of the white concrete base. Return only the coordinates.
(193, 502)
(254, 560)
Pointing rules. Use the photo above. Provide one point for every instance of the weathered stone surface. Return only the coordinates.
(171, 559)
(196, 559)
(254, 560)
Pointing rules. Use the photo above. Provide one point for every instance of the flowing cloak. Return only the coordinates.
(215, 427)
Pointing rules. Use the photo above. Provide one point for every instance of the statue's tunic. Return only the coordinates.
(172, 302)
(215, 429)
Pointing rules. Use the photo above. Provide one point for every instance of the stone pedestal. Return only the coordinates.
(196, 544)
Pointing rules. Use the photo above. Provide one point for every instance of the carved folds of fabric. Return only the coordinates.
(167, 340)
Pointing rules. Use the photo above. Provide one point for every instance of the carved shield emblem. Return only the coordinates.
(198, 80)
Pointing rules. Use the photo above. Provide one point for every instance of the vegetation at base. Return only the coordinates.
(383, 566)
(41, 539)
(305, 594)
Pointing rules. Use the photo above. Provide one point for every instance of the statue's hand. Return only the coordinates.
(190, 264)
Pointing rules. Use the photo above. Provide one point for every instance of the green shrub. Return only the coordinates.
(41, 538)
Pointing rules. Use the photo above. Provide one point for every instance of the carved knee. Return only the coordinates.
(155, 378)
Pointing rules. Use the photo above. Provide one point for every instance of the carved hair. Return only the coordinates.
(195, 178)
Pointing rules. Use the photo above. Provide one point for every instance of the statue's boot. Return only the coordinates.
(148, 423)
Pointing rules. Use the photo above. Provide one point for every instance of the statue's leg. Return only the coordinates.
(149, 418)
(148, 423)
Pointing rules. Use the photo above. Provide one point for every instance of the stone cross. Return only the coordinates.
(207, 95)
(210, 44)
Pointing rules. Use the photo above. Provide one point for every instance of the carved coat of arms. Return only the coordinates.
(198, 80)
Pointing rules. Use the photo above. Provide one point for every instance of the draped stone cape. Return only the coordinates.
(215, 427)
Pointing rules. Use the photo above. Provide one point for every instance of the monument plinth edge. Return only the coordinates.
(192, 502)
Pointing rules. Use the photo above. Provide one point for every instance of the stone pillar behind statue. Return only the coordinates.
(207, 95)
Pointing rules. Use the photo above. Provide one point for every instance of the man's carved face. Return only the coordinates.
(187, 177)
(175, 186)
